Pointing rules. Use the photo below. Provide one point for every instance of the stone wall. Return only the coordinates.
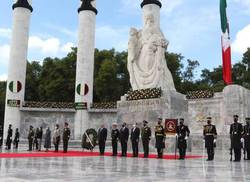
(49, 117)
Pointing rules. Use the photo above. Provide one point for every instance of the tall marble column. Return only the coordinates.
(151, 7)
(15, 90)
(85, 65)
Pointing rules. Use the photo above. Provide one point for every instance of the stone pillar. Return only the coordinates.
(85, 64)
(151, 7)
(15, 90)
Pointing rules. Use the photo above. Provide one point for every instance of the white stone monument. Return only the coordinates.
(146, 52)
(17, 63)
(85, 65)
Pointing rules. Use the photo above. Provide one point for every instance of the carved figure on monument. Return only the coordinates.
(146, 57)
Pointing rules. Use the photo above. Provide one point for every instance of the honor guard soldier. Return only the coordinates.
(1, 136)
(66, 136)
(31, 136)
(160, 138)
(135, 134)
(124, 135)
(102, 137)
(246, 136)
(114, 138)
(236, 130)
(145, 136)
(183, 134)
(210, 135)
(9, 137)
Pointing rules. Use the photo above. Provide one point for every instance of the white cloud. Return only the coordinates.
(48, 46)
(242, 41)
(243, 2)
(169, 5)
(66, 48)
(3, 77)
(4, 54)
(116, 37)
(5, 33)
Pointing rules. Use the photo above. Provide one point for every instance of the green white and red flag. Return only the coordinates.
(225, 42)
(15, 86)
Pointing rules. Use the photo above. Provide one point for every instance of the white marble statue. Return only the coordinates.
(146, 58)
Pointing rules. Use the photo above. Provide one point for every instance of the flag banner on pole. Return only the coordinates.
(15, 86)
(225, 42)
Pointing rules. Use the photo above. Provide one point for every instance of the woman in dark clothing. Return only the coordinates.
(47, 142)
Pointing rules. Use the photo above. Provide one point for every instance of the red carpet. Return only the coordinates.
(78, 154)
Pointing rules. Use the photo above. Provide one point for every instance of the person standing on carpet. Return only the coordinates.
(182, 134)
(66, 136)
(160, 138)
(114, 138)
(124, 135)
(47, 141)
(102, 137)
(9, 137)
(16, 139)
(56, 137)
(1, 135)
(36, 139)
(39, 138)
(145, 137)
(31, 135)
(134, 136)
(210, 135)
(246, 136)
(236, 130)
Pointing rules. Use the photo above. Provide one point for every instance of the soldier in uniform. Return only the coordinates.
(135, 135)
(246, 136)
(66, 136)
(114, 138)
(210, 135)
(31, 135)
(160, 138)
(9, 138)
(236, 130)
(102, 137)
(145, 136)
(124, 135)
(183, 134)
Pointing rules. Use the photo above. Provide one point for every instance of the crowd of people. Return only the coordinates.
(35, 138)
(239, 136)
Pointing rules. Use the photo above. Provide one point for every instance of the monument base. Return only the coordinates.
(171, 105)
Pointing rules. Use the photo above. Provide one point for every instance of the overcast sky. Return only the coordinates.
(191, 26)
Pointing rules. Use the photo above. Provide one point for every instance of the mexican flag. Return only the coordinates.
(225, 42)
(82, 89)
(15, 86)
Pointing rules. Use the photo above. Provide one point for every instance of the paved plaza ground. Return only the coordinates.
(118, 169)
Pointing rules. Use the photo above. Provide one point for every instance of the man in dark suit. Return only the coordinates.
(114, 138)
(9, 137)
(246, 135)
(124, 135)
(134, 136)
(102, 137)
(31, 136)
(210, 135)
(145, 137)
(183, 134)
(236, 130)
(66, 136)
